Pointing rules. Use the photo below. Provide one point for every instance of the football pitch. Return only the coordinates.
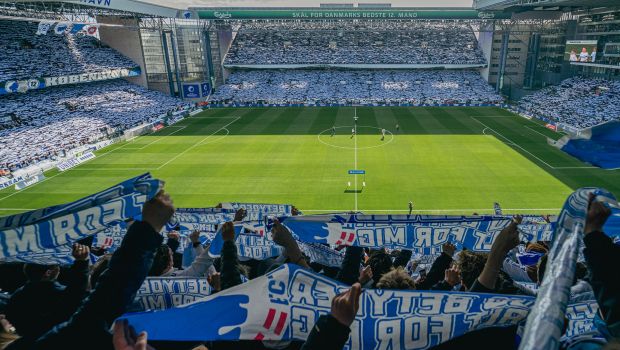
(452, 160)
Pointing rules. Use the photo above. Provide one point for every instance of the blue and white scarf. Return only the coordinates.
(254, 242)
(160, 293)
(421, 233)
(544, 324)
(285, 304)
(51, 230)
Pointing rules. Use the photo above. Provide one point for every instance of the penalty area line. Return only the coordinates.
(198, 143)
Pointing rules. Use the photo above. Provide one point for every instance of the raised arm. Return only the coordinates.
(507, 239)
(330, 332)
(117, 286)
(350, 267)
(282, 236)
(230, 274)
(440, 265)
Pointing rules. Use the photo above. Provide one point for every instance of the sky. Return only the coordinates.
(304, 3)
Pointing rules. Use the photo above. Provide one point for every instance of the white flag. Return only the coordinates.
(91, 30)
(44, 27)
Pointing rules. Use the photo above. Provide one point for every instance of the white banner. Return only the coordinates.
(73, 162)
(89, 77)
(29, 181)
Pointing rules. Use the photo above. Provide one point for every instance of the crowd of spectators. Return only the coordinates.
(26, 55)
(358, 87)
(579, 102)
(47, 123)
(355, 42)
(36, 311)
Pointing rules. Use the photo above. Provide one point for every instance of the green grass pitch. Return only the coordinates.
(447, 160)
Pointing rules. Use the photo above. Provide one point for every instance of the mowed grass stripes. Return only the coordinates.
(447, 160)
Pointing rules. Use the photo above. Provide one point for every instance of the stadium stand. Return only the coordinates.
(26, 55)
(46, 123)
(577, 101)
(355, 43)
(421, 87)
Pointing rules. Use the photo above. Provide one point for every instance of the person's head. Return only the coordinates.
(538, 247)
(38, 272)
(470, 264)
(162, 262)
(380, 263)
(584, 50)
(396, 279)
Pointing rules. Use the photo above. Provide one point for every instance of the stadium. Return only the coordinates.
(309, 175)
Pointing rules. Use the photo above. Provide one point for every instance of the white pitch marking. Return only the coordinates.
(355, 148)
(198, 143)
(162, 136)
(536, 131)
(514, 144)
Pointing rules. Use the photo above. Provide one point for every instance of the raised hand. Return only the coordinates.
(194, 237)
(240, 214)
(228, 231)
(280, 234)
(345, 305)
(125, 337)
(452, 276)
(504, 242)
(365, 275)
(174, 235)
(158, 211)
(215, 282)
(598, 213)
(448, 248)
(508, 238)
(80, 252)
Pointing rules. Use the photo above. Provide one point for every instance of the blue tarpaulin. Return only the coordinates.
(599, 145)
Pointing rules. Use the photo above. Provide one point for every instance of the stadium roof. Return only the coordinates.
(527, 5)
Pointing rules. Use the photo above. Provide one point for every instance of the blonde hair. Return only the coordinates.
(396, 279)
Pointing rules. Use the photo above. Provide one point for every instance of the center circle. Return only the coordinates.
(325, 137)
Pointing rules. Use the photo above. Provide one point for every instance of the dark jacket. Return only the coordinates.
(327, 334)
(89, 326)
(403, 258)
(230, 274)
(40, 305)
(603, 258)
(350, 268)
(436, 273)
(503, 285)
(177, 258)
